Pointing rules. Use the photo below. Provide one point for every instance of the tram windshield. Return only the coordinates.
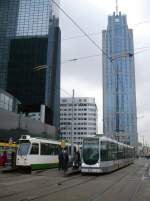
(24, 147)
(90, 151)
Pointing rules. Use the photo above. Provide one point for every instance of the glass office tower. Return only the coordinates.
(119, 96)
(30, 54)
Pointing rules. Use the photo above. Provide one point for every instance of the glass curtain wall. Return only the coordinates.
(30, 22)
(119, 98)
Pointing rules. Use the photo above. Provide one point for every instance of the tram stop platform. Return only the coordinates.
(7, 169)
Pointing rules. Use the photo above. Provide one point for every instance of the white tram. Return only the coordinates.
(102, 154)
(37, 153)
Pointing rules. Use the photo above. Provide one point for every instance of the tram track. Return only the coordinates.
(63, 184)
(99, 196)
(44, 195)
(133, 197)
(92, 178)
(139, 185)
(59, 183)
(62, 188)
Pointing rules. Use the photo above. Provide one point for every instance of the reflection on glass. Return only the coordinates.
(90, 151)
(23, 148)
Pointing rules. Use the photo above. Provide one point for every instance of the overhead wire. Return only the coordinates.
(70, 95)
(120, 55)
(80, 36)
(81, 29)
(79, 58)
(41, 67)
(87, 35)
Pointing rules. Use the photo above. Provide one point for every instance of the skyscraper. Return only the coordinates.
(30, 54)
(119, 95)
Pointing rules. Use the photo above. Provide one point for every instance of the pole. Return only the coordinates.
(19, 122)
(117, 7)
(72, 125)
(143, 145)
(143, 140)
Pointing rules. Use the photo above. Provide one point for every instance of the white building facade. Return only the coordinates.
(8, 102)
(78, 118)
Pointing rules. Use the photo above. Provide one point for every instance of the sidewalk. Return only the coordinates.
(6, 169)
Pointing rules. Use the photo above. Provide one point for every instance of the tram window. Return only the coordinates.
(45, 149)
(54, 149)
(49, 149)
(129, 153)
(112, 151)
(123, 152)
(91, 151)
(126, 152)
(104, 151)
(23, 148)
(108, 151)
(35, 148)
(120, 152)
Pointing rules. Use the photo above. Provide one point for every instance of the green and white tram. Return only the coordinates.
(37, 153)
(102, 154)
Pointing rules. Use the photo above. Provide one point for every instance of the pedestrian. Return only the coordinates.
(1, 160)
(60, 159)
(4, 158)
(77, 160)
(13, 159)
(65, 160)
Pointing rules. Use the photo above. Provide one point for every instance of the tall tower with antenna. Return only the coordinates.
(119, 94)
(116, 7)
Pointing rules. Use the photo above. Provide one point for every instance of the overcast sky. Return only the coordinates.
(85, 75)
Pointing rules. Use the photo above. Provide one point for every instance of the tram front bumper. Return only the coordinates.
(91, 170)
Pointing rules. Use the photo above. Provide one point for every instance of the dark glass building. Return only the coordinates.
(30, 55)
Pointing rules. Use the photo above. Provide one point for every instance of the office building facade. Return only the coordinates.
(78, 118)
(119, 94)
(30, 41)
(8, 102)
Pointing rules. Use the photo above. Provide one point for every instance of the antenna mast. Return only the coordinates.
(117, 7)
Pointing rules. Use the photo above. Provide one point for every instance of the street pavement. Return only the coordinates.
(127, 184)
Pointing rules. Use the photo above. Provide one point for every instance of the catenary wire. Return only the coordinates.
(76, 24)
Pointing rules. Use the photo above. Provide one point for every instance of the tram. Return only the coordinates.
(102, 155)
(38, 153)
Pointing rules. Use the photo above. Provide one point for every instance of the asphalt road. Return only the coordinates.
(128, 184)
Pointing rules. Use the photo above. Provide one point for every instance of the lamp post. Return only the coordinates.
(72, 125)
(143, 143)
